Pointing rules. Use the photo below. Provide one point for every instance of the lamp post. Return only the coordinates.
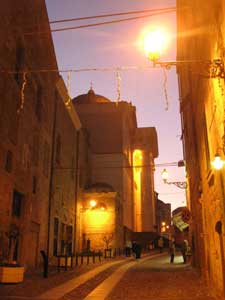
(179, 184)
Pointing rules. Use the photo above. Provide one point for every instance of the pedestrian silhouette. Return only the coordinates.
(184, 248)
(172, 250)
(136, 248)
(160, 244)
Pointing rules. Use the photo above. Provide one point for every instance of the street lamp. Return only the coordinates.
(217, 163)
(94, 205)
(179, 184)
(154, 43)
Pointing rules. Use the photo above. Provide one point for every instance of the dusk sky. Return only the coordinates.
(116, 45)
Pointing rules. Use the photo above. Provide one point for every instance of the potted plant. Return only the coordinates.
(10, 270)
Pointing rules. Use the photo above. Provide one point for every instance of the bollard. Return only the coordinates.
(65, 263)
(115, 253)
(77, 259)
(45, 263)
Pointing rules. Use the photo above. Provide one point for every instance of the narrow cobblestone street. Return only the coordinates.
(150, 278)
(157, 279)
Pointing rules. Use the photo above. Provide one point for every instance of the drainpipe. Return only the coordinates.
(219, 229)
(76, 189)
(51, 182)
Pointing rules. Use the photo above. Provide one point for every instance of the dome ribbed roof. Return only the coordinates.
(90, 97)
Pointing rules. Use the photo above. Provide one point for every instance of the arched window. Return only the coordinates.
(8, 161)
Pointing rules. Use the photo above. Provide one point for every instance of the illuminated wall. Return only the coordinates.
(100, 221)
(137, 172)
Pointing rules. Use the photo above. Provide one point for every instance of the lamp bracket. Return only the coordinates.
(179, 184)
(207, 68)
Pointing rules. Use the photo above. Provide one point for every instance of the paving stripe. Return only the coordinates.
(103, 290)
(61, 290)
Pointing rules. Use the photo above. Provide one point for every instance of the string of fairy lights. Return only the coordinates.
(117, 71)
(147, 13)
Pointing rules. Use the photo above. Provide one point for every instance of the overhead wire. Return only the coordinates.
(113, 15)
(97, 24)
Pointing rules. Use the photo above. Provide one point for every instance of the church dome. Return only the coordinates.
(89, 98)
(99, 187)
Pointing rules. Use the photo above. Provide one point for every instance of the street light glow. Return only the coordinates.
(217, 163)
(92, 203)
(154, 43)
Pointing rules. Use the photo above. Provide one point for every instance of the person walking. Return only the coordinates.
(172, 251)
(136, 249)
(184, 248)
(160, 244)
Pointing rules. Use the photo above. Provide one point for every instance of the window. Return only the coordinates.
(17, 204)
(69, 238)
(56, 226)
(55, 239)
(62, 238)
(34, 185)
(55, 246)
(8, 162)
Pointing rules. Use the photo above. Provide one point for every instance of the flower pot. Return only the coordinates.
(10, 274)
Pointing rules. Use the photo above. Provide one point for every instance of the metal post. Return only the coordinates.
(76, 189)
(51, 181)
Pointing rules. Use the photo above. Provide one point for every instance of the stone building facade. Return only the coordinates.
(201, 35)
(163, 215)
(52, 165)
(121, 165)
(37, 162)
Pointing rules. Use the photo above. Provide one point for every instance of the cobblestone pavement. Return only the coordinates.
(34, 284)
(147, 279)
(159, 280)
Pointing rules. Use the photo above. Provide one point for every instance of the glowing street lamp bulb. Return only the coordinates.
(93, 203)
(218, 163)
(154, 42)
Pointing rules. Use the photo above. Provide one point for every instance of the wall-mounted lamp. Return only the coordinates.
(95, 205)
(154, 44)
(217, 163)
(179, 184)
(92, 203)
